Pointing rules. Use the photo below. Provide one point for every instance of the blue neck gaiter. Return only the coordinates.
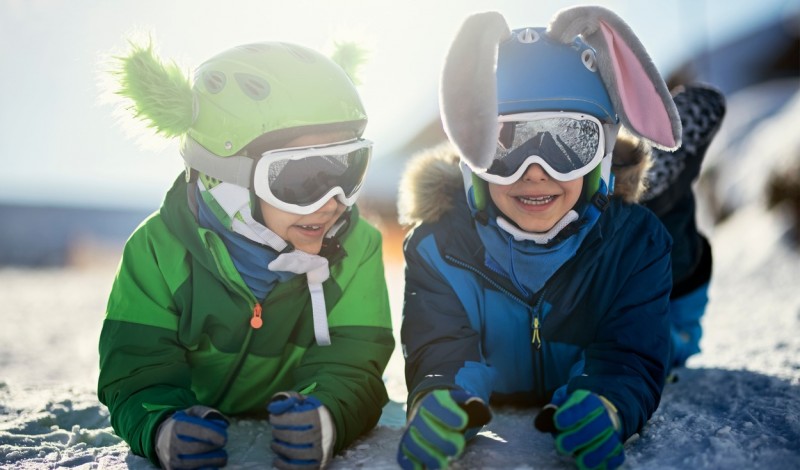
(249, 258)
(529, 265)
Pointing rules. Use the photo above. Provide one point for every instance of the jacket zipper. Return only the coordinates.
(537, 341)
(535, 314)
(535, 321)
(255, 321)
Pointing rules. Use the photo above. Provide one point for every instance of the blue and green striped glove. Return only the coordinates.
(585, 426)
(435, 435)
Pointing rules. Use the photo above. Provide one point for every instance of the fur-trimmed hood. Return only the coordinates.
(433, 178)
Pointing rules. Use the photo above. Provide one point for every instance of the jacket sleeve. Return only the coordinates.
(627, 361)
(143, 371)
(346, 376)
(438, 340)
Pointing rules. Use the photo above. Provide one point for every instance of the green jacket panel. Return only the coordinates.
(177, 331)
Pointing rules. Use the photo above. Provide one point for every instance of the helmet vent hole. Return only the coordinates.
(299, 53)
(214, 81)
(528, 36)
(588, 58)
(255, 87)
(256, 48)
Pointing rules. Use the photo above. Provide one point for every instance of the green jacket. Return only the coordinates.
(177, 331)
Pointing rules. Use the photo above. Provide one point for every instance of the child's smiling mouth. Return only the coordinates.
(535, 200)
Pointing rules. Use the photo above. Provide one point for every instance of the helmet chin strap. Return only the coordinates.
(235, 201)
(611, 132)
(540, 238)
(316, 269)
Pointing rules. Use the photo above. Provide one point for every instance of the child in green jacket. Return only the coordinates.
(256, 288)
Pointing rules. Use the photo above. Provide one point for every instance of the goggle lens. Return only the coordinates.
(305, 181)
(563, 144)
(300, 180)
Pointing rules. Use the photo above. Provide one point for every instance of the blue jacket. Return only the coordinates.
(599, 323)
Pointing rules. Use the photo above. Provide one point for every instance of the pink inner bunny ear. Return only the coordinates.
(643, 106)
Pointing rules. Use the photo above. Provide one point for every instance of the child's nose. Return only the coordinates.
(534, 172)
(330, 205)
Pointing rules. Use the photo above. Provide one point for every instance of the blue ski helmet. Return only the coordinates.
(538, 73)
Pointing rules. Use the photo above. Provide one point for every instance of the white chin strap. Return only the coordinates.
(611, 132)
(540, 238)
(315, 268)
(235, 200)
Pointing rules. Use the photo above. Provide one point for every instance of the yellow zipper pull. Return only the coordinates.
(256, 321)
(537, 340)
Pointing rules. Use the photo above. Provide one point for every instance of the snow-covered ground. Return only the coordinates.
(736, 405)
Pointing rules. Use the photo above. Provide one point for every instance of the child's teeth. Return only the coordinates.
(535, 200)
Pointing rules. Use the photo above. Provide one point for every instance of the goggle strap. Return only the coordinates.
(236, 169)
(479, 192)
(592, 182)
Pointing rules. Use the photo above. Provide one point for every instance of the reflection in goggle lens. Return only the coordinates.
(566, 144)
(306, 180)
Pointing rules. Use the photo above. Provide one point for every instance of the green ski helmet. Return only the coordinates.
(264, 90)
(255, 97)
(259, 95)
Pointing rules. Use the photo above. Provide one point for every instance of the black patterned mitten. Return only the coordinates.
(701, 109)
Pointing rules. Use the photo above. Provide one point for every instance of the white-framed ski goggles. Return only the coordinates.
(567, 145)
(300, 180)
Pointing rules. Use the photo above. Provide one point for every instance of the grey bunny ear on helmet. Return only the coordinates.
(467, 90)
(637, 90)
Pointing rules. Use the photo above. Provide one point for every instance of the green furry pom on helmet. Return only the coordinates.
(257, 94)
(160, 93)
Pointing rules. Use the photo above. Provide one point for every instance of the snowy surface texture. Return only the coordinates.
(736, 405)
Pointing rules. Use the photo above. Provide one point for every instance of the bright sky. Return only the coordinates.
(60, 145)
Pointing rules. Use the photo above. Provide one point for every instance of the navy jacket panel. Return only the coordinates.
(602, 317)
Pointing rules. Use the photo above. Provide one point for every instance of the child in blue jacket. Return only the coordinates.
(546, 285)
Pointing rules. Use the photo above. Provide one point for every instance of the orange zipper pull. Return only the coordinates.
(256, 321)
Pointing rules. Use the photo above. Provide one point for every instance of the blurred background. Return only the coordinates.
(74, 182)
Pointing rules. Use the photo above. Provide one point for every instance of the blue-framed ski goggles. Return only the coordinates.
(567, 145)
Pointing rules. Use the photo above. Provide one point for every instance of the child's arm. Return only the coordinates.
(143, 372)
(627, 361)
(439, 342)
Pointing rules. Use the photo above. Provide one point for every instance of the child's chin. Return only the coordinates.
(534, 226)
(310, 248)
